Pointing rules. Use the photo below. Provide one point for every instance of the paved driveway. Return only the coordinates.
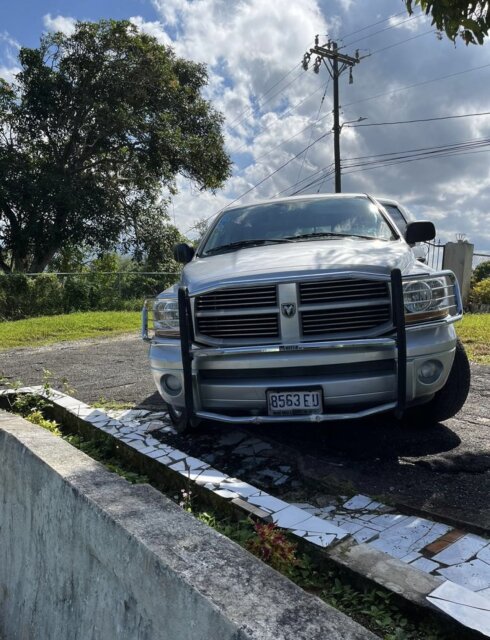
(444, 469)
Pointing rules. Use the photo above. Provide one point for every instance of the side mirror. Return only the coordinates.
(420, 232)
(183, 253)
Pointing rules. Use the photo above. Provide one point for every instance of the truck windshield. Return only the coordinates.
(297, 220)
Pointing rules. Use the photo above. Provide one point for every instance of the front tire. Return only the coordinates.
(180, 419)
(450, 399)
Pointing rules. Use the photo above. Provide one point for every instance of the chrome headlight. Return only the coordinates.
(417, 296)
(166, 316)
(431, 298)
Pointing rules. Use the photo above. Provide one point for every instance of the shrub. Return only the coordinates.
(45, 295)
(24, 296)
(76, 294)
(480, 293)
(481, 272)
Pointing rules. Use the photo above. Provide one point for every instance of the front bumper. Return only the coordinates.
(358, 377)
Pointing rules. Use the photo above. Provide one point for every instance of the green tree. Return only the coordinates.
(95, 129)
(469, 19)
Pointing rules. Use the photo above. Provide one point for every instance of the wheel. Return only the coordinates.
(180, 420)
(449, 400)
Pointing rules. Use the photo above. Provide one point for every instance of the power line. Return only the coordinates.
(382, 95)
(374, 24)
(477, 145)
(268, 91)
(472, 141)
(393, 26)
(319, 180)
(260, 106)
(264, 179)
(311, 131)
(418, 84)
(281, 117)
(296, 184)
(382, 124)
(397, 44)
(382, 166)
(415, 159)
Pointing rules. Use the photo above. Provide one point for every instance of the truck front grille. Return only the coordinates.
(322, 309)
(343, 306)
(244, 298)
(341, 290)
(342, 320)
(233, 327)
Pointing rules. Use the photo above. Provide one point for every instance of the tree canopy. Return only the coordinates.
(93, 133)
(468, 19)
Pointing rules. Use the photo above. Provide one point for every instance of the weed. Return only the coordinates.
(36, 417)
(186, 500)
(272, 546)
(103, 451)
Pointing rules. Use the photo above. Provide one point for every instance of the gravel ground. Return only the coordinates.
(444, 469)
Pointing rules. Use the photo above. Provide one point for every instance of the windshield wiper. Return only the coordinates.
(329, 234)
(241, 244)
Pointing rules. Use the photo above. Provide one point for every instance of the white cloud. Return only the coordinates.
(8, 73)
(170, 10)
(252, 50)
(155, 29)
(409, 23)
(65, 24)
(248, 47)
(347, 4)
(8, 58)
(9, 40)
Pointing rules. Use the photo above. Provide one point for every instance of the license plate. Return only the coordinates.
(292, 402)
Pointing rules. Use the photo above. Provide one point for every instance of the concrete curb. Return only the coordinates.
(84, 554)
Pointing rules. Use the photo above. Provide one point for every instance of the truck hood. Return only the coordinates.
(299, 259)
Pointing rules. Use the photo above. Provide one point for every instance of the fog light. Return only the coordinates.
(429, 371)
(171, 384)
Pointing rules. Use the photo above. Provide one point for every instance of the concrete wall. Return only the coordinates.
(86, 556)
(458, 256)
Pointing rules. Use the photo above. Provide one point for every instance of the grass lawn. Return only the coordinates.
(474, 330)
(74, 326)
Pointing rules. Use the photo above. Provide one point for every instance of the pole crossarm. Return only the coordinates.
(329, 53)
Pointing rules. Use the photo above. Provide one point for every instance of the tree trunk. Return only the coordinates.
(39, 263)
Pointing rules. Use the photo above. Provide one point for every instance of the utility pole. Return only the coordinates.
(330, 52)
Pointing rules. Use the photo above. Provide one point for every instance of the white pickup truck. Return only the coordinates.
(310, 308)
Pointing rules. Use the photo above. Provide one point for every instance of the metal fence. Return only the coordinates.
(434, 255)
(478, 258)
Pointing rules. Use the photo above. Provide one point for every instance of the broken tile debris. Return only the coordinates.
(461, 550)
(471, 609)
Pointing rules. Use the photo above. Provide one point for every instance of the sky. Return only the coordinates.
(274, 109)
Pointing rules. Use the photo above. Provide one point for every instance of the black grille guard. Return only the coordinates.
(399, 342)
